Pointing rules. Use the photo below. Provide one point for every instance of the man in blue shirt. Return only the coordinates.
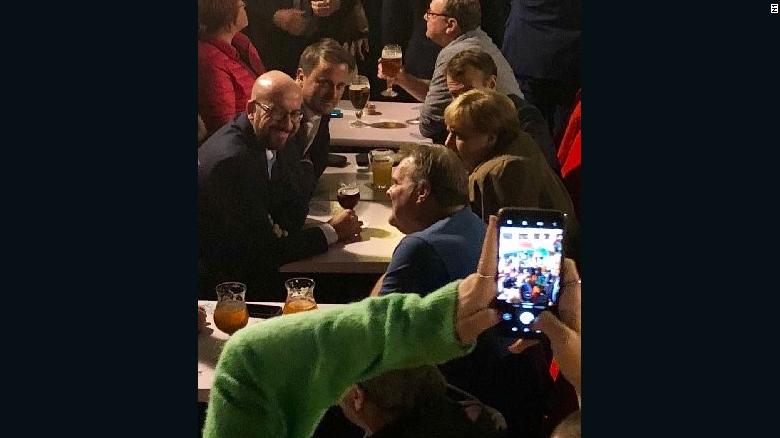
(429, 197)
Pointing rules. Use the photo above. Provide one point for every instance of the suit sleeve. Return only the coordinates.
(252, 232)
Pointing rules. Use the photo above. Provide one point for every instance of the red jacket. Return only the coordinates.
(226, 74)
(570, 156)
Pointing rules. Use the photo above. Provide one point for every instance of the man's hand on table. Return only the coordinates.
(347, 225)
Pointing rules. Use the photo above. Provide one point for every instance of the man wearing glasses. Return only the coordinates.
(250, 207)
(453, 25)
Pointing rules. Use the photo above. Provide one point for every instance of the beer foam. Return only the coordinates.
(349, 191)
(391, 54)
(358, 87)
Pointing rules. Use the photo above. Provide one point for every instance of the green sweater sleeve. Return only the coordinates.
(278, 377)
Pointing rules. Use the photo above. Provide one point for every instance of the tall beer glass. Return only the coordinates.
(391, 65)
(359, 92)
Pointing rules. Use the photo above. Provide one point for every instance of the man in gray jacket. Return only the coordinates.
(454, 25)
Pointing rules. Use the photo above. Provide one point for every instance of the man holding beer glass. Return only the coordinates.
(453, 25)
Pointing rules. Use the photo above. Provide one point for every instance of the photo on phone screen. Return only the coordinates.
(530, 253)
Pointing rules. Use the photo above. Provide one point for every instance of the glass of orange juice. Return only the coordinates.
(231, 313)
(300, 295)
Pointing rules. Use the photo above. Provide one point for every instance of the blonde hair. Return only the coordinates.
(485, 111)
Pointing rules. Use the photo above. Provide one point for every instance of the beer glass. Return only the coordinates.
(391, 65)
(300, 295)
(381, 168)
(359, 91)
(348, 196)
(231, 313)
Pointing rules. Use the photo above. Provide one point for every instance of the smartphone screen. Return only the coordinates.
(530, 252)
(263, 310)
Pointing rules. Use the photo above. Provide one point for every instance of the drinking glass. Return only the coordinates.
(231, 313)
(300, 295)
(348, 195)
(381, 168)
(391, 65)
(359, 92)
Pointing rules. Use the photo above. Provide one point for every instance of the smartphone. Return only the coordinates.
(263, 310)
(336, 113)
(362, 159)
(530, 253)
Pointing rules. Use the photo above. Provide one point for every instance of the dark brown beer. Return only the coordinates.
(358, 95)
(348, 197)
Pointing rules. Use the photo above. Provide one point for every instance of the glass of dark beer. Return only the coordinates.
(391, 66)
(348, 196)
(359, 91)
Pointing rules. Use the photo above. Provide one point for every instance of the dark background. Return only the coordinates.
(680, 126)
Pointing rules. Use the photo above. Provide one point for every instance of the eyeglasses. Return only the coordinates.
(280, 116)
(429, 14)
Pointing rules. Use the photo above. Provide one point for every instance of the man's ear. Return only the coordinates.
(423, 192)
(250, 110)
(452, 25)
(299, 76)
(491, 82)
(357, 398)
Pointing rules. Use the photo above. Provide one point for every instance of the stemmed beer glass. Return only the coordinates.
(359, 92)
(391, 66)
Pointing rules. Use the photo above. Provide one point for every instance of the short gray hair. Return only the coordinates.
(442, 169)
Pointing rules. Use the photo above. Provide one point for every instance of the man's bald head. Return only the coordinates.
(273, 85)
(275, 108)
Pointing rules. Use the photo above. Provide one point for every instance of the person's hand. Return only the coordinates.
(381, 74)
(201, 318)
(347, 225)
(477, 291)
(325, 8)
(565, 333)
(291, 21)
(358, 48)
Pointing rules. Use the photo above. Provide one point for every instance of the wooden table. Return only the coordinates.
(377, 134)
(210, 343)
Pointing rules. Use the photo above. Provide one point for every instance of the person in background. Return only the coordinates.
(454, 26)
(506, 167)
(570, 155)
(542, 44)
(228, 63)
(475, 68)
(250, 206)
(255, 394)
(429, 200)
(414, 402)
(324, 70)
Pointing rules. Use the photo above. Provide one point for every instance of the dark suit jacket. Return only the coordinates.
(238, 205)
(317, 153)
(533, 123)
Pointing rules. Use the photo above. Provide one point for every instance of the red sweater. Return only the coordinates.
(226, 74)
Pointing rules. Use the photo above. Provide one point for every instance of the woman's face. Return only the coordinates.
(473, 147)
(242, 20)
